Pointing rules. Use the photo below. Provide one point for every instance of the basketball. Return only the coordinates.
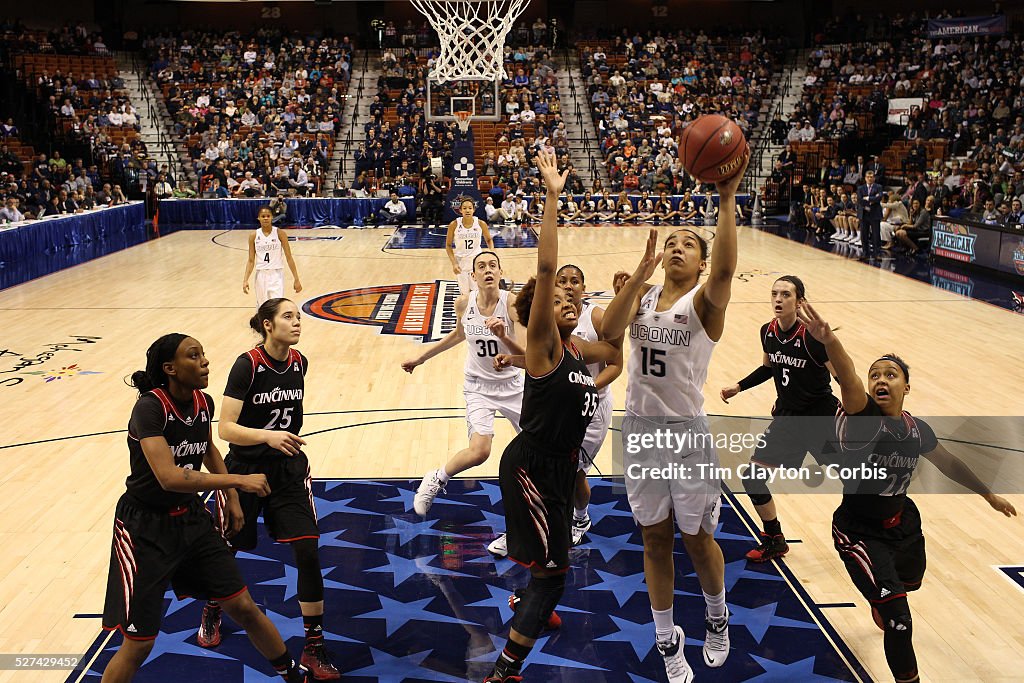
(712, 148)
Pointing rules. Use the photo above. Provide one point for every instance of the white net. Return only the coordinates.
(472, 34)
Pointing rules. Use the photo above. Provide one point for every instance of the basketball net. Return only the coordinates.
(463, 118)
(472, 34)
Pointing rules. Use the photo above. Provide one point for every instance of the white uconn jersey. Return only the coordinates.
(668, 359)
(483, 345)
(468, 241)
(585, 330)
(268, 251)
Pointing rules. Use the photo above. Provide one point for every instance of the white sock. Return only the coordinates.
(581, 513)
(716, 605)
(664, 626)
(442, 476)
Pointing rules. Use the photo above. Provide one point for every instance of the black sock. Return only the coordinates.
(773, 527)
(314, 627)
(510, 661)
(283, 665)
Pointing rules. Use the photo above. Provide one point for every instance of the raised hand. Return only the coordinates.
(547, 166)
(651, 258)
(729, 186)
(814, 323)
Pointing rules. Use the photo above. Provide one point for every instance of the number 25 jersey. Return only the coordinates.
(271, 394)
(668, 359)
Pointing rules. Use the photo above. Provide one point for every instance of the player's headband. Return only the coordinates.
(898, 361)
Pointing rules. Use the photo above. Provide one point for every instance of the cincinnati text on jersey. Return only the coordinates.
(277, 395)
(780, 358)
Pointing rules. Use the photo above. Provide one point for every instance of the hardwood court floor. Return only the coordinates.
(64, 456)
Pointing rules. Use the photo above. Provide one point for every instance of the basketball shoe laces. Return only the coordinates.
(434, 486)
(716, 638)
(675, 663)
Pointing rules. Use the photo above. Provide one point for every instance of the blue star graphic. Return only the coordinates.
(725, 536)
(599, 511)
(735, 571)
(492, 491)
(242, 555)
(776, 672)
(175, 604)
(250, 675)
(610, 546)
(331, 484)
(495, 522)
(406, 496)
(502, 565)
(176, 644)
(498, 601)
(403, 568)
(538, 656)
(290, 581)
(407, 531)
(640, 636)
(326, 508)
(397, 614)
(759, 619)
(622, 587)
(387, 668)
(616, 485)
(334, 540)
(636, 678)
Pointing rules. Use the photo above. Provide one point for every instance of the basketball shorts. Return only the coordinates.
(483, 398)
(792, 434)
(153, 548)
(597, 430)
(884, 563)
(269, 285)
(680, 475)
(537, 488)
(289, 512)
(466, 282)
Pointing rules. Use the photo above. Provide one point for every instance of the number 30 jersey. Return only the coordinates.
(668, 359)
(482, 344)
(271, 394)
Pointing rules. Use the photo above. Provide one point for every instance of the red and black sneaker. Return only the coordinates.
(318, 661)
(554, 621)
(209, 626)
(771, 548)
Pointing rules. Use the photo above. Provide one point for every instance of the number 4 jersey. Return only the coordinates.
(668, 359)
(271, 394)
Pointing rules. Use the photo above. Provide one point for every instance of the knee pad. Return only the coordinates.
(310, 582)
(894, 617)
(537, 602)
(760, 498)
(757, 489)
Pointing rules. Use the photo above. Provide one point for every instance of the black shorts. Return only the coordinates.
(537, 491)
(884, 563)
(288, 512)
(792, 434)
(152, 549)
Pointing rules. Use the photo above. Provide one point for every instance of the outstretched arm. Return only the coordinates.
(854, 397)
(624, 306)
(717, 291)
(542, 338)
(954, 468)
(450, 341)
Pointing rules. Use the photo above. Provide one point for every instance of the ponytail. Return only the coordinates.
(161, 351)
(267, 311)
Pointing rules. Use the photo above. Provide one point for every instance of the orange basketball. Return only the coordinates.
(712, 148)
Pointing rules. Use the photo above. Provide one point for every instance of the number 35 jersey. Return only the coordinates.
(482, 344)
(271, 394)
(668, 359)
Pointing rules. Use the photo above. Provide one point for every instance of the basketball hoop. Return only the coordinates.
(472, 34)
(463, 118)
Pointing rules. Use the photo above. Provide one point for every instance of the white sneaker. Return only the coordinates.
(427, 491)
(716, 641)
(580, 527)
(498, 546)
(675, 663)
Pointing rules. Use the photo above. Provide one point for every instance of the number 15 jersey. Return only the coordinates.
(271, 394)
(668, 359)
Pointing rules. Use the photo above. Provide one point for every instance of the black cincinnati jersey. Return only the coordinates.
(187, 431)
(798, 367)
(271, 394)
(558, 406)
(884, 451)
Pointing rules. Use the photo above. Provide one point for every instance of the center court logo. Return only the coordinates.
(425, 310)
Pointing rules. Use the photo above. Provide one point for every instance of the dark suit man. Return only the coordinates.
(870, 195)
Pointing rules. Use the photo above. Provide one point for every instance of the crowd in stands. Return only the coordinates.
(644, 89)
(259, 112)
(959, 154)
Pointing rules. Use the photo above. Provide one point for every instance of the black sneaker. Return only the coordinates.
(771, 548)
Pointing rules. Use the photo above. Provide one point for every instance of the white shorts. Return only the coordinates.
(694, 494)
(269, 285)
(466, 282)
(597, 430)
(483, 398)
